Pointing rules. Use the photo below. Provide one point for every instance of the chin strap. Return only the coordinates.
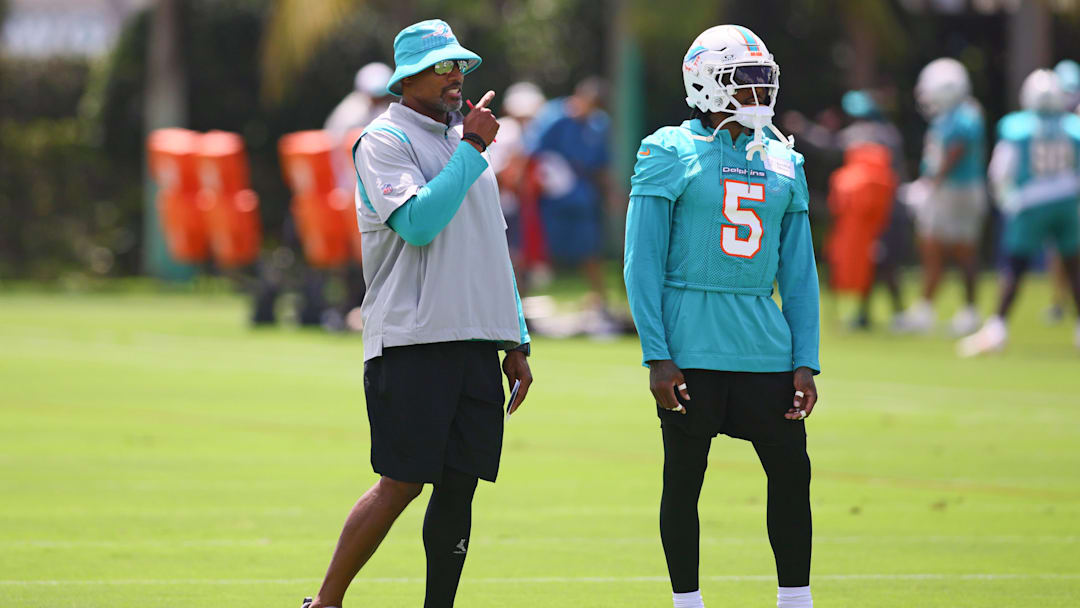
(711, 138)
(757, 144)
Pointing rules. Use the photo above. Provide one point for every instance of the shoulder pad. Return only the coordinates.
(1071, 124)
(674, 139)
(674, 142)
(1017, 125)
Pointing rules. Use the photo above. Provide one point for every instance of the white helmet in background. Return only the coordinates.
(1042, 92)
(943, 84)
(523, 100)
(724, 60)
(372, 78)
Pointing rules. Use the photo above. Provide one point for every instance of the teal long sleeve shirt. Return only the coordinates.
(709, 232)
(424, 215)
(723, 331)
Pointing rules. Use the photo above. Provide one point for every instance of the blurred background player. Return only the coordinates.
(868, 125)
(861, 202)
(718, 212)
(569, 141)
(355, 111)
(1035, 176)
(1068, 73)
(518, 187)
(367, 100)
(949, 199)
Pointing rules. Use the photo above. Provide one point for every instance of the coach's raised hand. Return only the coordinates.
(481, 120)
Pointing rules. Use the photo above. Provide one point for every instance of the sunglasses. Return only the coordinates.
(445, 67)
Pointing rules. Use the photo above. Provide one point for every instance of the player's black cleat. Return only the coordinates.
(307, 602)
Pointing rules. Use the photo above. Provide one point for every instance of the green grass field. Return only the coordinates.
(157, 452)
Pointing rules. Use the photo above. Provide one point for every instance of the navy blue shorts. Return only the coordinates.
(433, 406)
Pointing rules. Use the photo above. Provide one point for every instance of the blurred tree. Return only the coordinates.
(266, 67)
(295, 31)
(164, 106)
(63, 203)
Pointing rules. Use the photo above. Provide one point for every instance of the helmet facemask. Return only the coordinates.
(713, 85)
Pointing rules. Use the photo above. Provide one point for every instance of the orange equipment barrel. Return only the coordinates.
(172, 165)
(229, 205)
(324, 214)
(861, 196)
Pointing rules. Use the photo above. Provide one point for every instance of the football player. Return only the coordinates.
(1068, 73)
(718, 212)
(949, 200)
(1035, 175)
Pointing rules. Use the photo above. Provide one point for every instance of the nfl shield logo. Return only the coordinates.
(387, 188)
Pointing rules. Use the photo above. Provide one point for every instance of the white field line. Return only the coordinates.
(547, 579)
(631, 540)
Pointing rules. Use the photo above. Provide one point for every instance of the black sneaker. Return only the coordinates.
(307, 602)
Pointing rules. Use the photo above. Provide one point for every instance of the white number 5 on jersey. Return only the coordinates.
(734, 193)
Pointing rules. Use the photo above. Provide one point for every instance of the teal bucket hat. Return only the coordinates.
(422, 45)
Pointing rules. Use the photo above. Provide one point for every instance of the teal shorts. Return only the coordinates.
(1029, 230)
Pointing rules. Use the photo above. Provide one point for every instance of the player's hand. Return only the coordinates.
(516, 367)
(664, 379)
(481, 121)
(804, 404)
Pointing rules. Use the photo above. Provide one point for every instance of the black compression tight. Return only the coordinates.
(447, 524)
(685, 459)
(788, 511)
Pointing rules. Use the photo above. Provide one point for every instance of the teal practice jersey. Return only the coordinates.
(1036, 160)
(708, 233)
(963, 125)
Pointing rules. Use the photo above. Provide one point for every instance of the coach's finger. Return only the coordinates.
(485, 100)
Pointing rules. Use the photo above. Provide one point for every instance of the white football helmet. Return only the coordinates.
(943, 84)
(724, 60)
(1042, 92)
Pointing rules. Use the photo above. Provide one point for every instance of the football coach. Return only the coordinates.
(441, 303)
